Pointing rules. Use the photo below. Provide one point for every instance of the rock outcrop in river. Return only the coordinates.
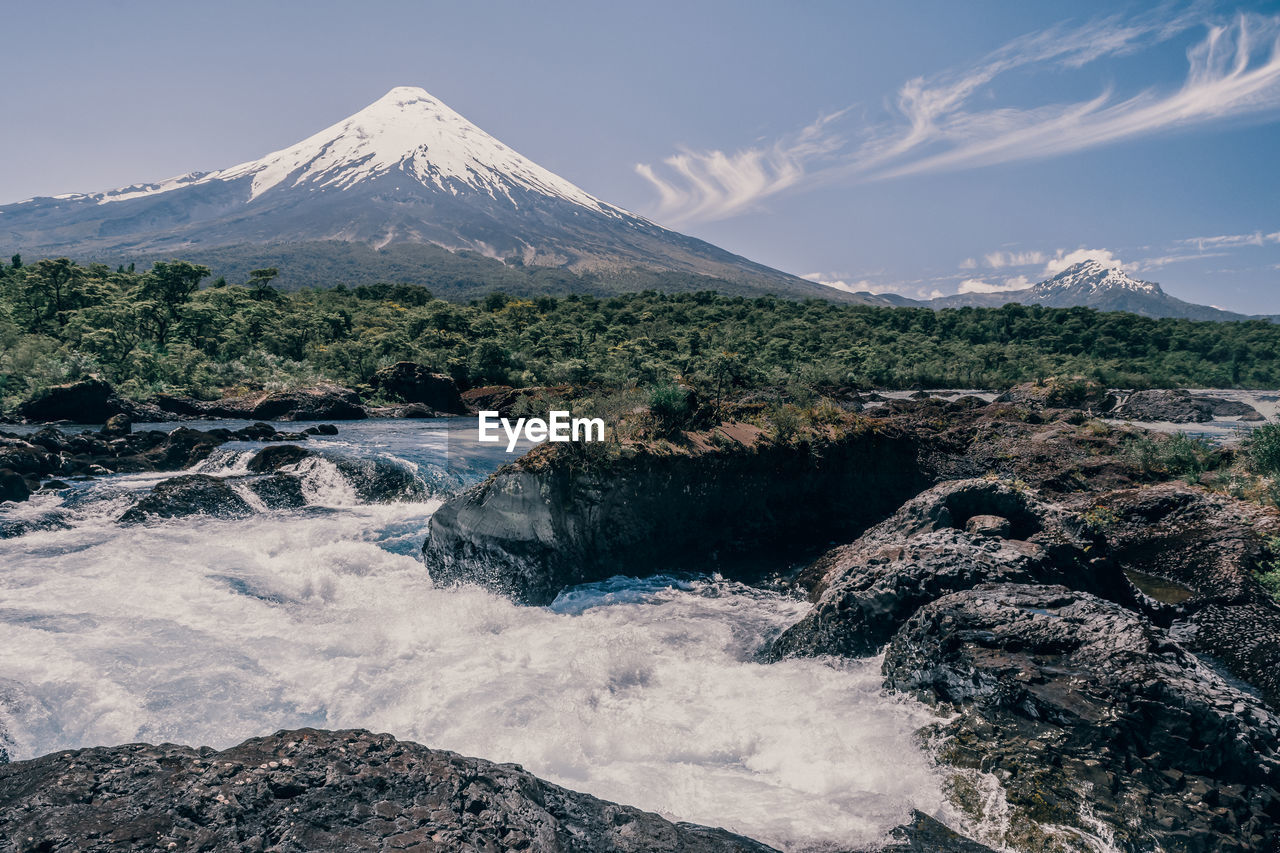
(952, 537)
(313, 790)
(554, 519)
(1093, 718)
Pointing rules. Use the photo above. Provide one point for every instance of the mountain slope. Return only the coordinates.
(1092, 284)
(406, 169)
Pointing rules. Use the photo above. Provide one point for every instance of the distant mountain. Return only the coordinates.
(407, 169)
(1092, 284)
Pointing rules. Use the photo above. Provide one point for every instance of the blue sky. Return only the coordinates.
(919, 147)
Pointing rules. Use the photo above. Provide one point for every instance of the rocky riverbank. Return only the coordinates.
(1095, 642)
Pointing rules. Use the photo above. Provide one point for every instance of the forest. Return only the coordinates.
(170, 329)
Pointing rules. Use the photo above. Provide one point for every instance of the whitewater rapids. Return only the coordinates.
(207, 632)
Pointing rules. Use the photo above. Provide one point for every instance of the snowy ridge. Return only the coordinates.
(1093, 277)
(406, 130)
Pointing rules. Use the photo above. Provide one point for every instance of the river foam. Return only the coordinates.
(206, 631)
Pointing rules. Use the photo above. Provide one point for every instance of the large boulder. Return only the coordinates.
(1195, 553)
(311, 790)
(88, 401)
(555, 518)
(952, 537)
(277, 456)
(322, 403)
(412, 383)
(1092, 718)
(13, 486)
(1170, 406)
(189, 494)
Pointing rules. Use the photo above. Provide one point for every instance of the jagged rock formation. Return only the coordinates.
(1089, 714)
(931, 547)
(312, 790)
(1194, 554)
(553, 519)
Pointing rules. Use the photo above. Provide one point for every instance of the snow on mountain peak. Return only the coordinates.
(406, 129)
(1093, 276)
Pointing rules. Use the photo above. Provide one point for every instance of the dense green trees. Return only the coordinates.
(157, 330)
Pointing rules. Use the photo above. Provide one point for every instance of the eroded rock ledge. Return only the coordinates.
(552, 520)
(315, 790)
(310, 790)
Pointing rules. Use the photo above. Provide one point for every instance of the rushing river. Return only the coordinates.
(207, 631)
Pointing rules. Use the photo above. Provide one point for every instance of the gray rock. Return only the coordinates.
(277, 456)
(554, 519)
(118, 425)
(189, 494)
(866, 590)
(1179, 407)
(1209, 545)
(311, 790)
(989, 525)
(1081, 707)
(412, 383)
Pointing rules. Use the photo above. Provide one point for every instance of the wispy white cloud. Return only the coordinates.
(977, 285)
(998, 260)
(935, 126)
(1063, 259)
(715, 185)
(1257, 238)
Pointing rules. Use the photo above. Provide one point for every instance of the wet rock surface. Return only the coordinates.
(952, 537)
(1089, 715)
(412, 383)
(1179, 407)
(548, 522)
(189, 494)
(88, 401)
(311, 790)
(1210, 546)
(320, 403)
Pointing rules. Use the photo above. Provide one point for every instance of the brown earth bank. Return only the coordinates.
(313, 790)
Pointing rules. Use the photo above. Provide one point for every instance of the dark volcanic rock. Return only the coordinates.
(89, 401)
(926, 835)
(13, 486)
(189, 494)
(1179, 407)
(412, 383)
(1208, 545)
(549, 521)
(321, 429)
(863, 592)
(277, 456)
(379, 480)
(278, 491)
(311, 790)
(322, 403)
(1077, 704)
(118, 425)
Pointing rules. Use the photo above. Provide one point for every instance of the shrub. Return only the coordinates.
(1178, 455)
(1262, 450)
(671, 407)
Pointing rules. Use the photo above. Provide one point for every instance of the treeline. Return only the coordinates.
(161, 330)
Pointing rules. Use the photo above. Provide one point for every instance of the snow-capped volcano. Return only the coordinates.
(1093, 284)
(1093, 278)
(406, 169)
(406, 131)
